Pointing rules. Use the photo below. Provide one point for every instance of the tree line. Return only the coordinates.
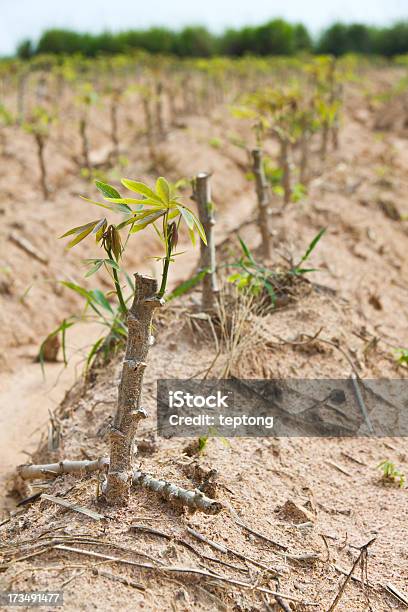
(276, 37)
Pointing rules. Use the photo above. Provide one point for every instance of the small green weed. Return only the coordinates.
(390, 473)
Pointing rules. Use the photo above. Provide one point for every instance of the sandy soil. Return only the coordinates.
(333, 482)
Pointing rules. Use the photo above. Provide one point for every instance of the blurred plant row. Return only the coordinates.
(48, 95)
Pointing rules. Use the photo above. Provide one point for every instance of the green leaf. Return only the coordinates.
(163, 189)
(148, 212)
(270, 290)
(111, 263)
(199, 228)
(92, 352)
(101, 225)
(107, 190)
(126, 222)
(62, 327)
(246, 251)
(81, 236)
(232, 278)
(139, 204)
(130, 282)
(80, 228)
(202, 443)
(141, 188)
(78, 289)
(159, 234)
(145, 221)
(187, 216)
(100, 232)
(124, 208)
(94, 269)
(99, 298)
(192, 236)
(173, 214)
(312, 245)
(243, 282)
(132, 201)
(304, 270)
(402, 356)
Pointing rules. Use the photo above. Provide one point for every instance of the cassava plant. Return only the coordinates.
(152, 104)
(309, 124)
(161, 208)
(276, 113)
(38, 124)
(85, 100)
(114, 94)
(326, 80)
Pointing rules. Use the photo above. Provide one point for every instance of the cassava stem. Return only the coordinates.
(43, 172)
(202, 195)
(129, 411)
(286, 172)
(262, 192)
(118, 288)
(167, 258)
(85, 145)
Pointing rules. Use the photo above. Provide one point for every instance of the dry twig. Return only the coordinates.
(70, 506)
(397, 593)
(260, 535)
(362, 558)
(201, 555)
(225, 549)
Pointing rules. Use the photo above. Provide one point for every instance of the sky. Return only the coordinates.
(21, 19)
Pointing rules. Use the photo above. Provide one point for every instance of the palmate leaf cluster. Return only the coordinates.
(159, 207)
(152, 206)
(87, 95)
(286, 112)
(39, 122)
